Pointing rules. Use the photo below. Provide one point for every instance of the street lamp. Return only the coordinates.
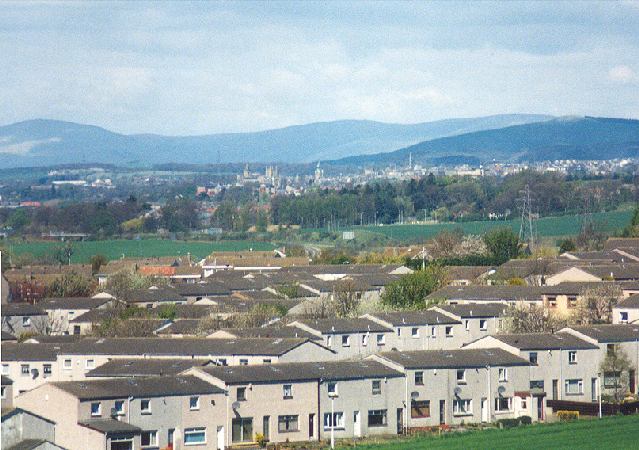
(332, 396)
(599, 392)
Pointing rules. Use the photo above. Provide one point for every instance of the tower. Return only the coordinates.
(526, 226)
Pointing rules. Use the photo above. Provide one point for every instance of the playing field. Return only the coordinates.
(609, 433)
(545, 227)
(146, 248)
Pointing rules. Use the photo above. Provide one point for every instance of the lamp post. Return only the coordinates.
(599, 392)
(332, 396)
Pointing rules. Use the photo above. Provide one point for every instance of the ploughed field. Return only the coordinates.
(619, 432)
(145, 248)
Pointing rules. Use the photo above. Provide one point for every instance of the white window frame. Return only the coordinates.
(153, 439)
(433, 332)
(346, 340)
(572, 356)
(503, 374)
(446, 329)
(510, 405)
(467, 325)
(195, 430)
(287, 391)
(148, 410)
(5, 369)
(572, 382)
(99, 412)
(119, 411)
(89, 366)
(22, 371)
(364, 340)
(414, 332)
(194, 406)
(377, 391)
(68, 366)
(461, 380)
(334, 390)
(329, 341)
(26, 321)
(244, 362)
(483, 327)
(381, 339)
(338, 420)
(623, 316)
(462, 407)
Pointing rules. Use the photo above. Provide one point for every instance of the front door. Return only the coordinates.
(220, 438)
(311, 426)
(170, 436)
(442, 412)
(555, 389)
(400, 420)
(632, 381)
(540, 408)
(266, 427)
(484, 410)
(357, 424)
(593, 389)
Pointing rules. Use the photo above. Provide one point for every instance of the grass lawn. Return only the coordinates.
(546, 227)
(114, 249)
(609, 433)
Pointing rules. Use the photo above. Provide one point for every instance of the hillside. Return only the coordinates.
(47, 142)
(561, 138)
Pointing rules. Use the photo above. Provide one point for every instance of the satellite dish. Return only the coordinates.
(35, 373)
(414, 395)
(457, 391)
(235, 405)
(501, 390)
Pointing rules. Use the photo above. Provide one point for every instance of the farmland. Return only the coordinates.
(612, 432)
(556, 226)
(114, 249)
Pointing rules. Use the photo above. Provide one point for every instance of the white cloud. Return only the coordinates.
(622, 74)
(22, 148)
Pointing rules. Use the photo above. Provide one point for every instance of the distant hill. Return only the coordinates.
(48, 142)
(561, 138)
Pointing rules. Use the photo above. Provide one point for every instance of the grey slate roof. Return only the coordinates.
(137, 387)
(616, 271)
(270, 332)
(613, 243)
(631, 302)
(6, 381)
(30, 444)
(487, 293)
(610, 333)
(184, 347)
(544, 341)
(144, 367)
(450, 359)
(12, 351)
(6, 336)
(21, 309)
(210, 288)
(413, 318)
(189, 327)
(108, 426)
(73, 303)
(475, 310)
(339, 325)
(328, 370)
(155, 295)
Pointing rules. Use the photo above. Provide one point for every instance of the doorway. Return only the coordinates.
(484, 410)
(311, 426)
(555, 389)
(220, 438)
(266, 427)
(357, 424)
(540, 408)
(400, 420)
(442, 412)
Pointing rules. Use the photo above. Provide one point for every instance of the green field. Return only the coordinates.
(546, 227)
(609, 433)
(146, 248)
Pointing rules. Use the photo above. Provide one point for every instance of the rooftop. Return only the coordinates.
(73, 302)
(110, 426)
(475, 310)
(631, 302)
(610, 333)
(450, 359)
(12, 351)
(21, 309)
(544, 341)
(144, 367)
(408, 318)
(339, 325)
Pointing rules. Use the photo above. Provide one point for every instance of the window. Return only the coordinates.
(610, 349)
(524, 403)
(419, 409)
(71, 314)
(612, 379)
(537, 384)
(399, 332)
(242, 429)
(241, 394)
(194, 403)
(3, 392)
(503, 404)
(552, 302)
(532, 357)
(364, 340)
(67, 364)
(47, 370)
(119, 407)
(346, 341)
(572, 357)
(503, 374)
(500, 324)
(433, 332)
(329, 341)
(623, 316)
(338, 420)
(243, 362)
(574, 387)
(332, 387)
(26, 321)
(222, 362)
(5, 369)
(89, 364)
(381, 339)
(195, 436)
(145, 406)
(286, 424)
(419, 378)
(461, 376)
(96, 409)
(24, 369)
(149, 439)
(572, 302)
(376, 387)
(467, 325)
(377, 418)
(462, 407)
(287, 390)
(414, 332)
(449, 331)
(266, 361)
(483, 324)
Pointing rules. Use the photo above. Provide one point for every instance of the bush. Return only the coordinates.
(567, 416)
(260, 439)
(508, 423)
(525, 420)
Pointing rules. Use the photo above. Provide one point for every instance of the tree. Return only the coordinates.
(595, 304)
(567, 245)
(121, 284)
(63, 253)
(410, 291)
(70, 284)
(167, 312)
(632, 229)
(445, 244)
(258, 315)
(523, 318)
(97, 261)
(615, 369)
(502, 243)
(345, 298)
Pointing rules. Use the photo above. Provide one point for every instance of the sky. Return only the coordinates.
(199, 68)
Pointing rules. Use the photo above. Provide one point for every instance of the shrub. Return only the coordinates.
(567, 416)
(508, 423)
(525, 420)
(260, 439)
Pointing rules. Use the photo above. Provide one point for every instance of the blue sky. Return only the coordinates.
(195, 68)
